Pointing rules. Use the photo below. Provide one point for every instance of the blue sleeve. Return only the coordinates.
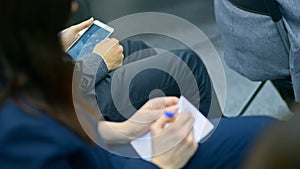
(133, 163)
(129, 163)
(230, 142)
(25, 146)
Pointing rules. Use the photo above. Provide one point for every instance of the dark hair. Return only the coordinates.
(32, 61)
(278, 148)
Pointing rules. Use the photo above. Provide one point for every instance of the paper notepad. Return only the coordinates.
(202, 127)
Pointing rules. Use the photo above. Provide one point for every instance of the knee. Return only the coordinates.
(131, 46)
(190, 58)
(194, 62)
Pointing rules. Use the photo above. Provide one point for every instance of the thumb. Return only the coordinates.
(83, 25)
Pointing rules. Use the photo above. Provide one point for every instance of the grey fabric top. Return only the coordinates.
(253, 47)
(94, 67)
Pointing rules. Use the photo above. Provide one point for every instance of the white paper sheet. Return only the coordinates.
(202, 127)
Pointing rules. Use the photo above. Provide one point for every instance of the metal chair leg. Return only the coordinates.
(251, 98)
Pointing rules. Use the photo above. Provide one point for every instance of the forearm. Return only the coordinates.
(115, 133)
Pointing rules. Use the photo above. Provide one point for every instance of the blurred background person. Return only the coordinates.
(254, 48)
(278, 148)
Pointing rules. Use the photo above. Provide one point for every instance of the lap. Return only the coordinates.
(146, 75)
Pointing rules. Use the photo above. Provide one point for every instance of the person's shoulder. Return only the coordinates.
(38, 141)
(19, 125)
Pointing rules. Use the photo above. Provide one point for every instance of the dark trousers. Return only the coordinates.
(179, 72)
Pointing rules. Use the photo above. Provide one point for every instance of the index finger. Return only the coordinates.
(162, 102)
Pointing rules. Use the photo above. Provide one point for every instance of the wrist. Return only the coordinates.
(115, 133)
(128, 130)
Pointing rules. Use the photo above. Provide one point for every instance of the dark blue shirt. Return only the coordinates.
(39, 142)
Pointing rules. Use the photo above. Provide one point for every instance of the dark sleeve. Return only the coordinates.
(120, 162)
(94, 64)
(133, 163)
(93, 69)
(26, 147)
(228, 145)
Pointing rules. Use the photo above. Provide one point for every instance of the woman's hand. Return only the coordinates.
(172, 147)
(111, 52)
(139, 123)
(72, 33)
(109, 49)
